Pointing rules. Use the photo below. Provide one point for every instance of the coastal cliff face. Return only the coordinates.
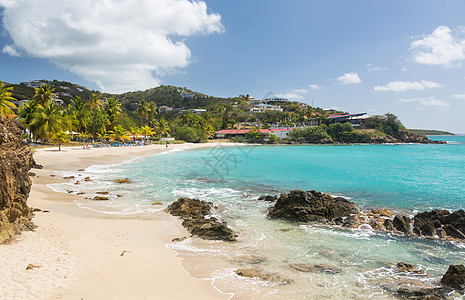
(15, 162)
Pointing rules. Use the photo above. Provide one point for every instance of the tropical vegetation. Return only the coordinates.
(87, 116)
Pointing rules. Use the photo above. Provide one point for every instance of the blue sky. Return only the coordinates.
(404, 57)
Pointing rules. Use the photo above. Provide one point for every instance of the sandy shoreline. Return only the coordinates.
(88, 255)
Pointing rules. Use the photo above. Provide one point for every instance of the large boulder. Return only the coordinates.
(311, 206)
(402, 224)
(454, 277)
(195, 219)
(15, 162)
(440, 223)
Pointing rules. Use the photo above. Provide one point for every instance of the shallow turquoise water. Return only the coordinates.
(394, 176)
(405, 178)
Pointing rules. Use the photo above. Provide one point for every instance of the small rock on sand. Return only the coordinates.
(31, 266)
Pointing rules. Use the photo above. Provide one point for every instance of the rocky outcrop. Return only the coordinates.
(452, 286)
(454, 277)
(311, 206)
(15, 162)
(196, 219)
(436, 224)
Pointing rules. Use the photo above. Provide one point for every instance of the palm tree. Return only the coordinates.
(146, 131)
(210, 131)
(95, 105)
(119, 134)
(5, 100)
(44, 94)
(152, 107)
(113, 109)
(143, 110)
(60, 138)
(46, 121)
(80, 112)
(163, 127)
(134, 132)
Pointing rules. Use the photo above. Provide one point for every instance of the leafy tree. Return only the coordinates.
(143, 110)
(60, 138)
(191, 135)
(80, 112)
(254, 136)
(44, 94)
(119, 134)
(152, 111)
(46, 121)
(5, 100)
(26, 113)
(162, 127)
(112, 108)
(96, 105)
(146, 131)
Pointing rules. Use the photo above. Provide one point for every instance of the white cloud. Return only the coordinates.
(459, 96)
(120, 45)
(430, 101)
(373, 68)
(404, 69)
(349, 78)
(315, 87)
(294, 94)
(402, 86)
(11, 50)
(439, 48)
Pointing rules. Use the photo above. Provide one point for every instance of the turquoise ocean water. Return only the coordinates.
(404, 178)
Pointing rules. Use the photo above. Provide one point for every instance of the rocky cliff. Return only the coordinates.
(15, 162)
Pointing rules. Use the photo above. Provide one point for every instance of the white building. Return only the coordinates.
(265, 107)
(164, 109)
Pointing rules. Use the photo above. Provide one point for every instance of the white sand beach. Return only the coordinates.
(81, 254)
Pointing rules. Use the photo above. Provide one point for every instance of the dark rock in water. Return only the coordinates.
(259, 273)
(102, 193)
(250, 259)
(388, 225)
(268, 198)
(454, 232)
(68, 177)
(194, 213)
(440, 223)
(100, 198)
(87, 179)
(407, 268)
(351, 221)
(311, 206)
(32, 174)
(186, 207)
(402, 224)
(324, 268)
(125, 180)
(15, 162)
(454, 277)
(209, 229)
